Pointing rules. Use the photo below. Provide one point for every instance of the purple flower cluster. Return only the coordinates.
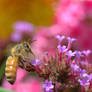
(66, 69)
(84, 78)
(79, 68)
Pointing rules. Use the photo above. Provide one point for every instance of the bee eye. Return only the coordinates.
(26, 45)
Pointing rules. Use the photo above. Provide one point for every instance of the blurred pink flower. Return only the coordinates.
(20, 75)
(22, 85)
(31, 86)
(84, 34)
(45, 41)
(83, 31)
(88, 8)
(56, 29)
(70, 21)
(69, 13)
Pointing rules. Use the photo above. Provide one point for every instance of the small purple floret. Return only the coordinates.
(84, 78)
(86, 52)
(70, 53)
(83, 62)
(75, 67)
(48, 86)
(84, 81)
(36, 62)
(60, 38)
(83, 72)
(70, 40)
(78, 54)
(62, 48)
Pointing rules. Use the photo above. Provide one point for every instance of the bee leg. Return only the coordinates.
(27, 66)
(21, 64)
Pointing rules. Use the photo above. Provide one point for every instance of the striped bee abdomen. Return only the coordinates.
(11, 68)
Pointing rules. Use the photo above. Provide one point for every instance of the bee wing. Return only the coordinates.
(7, 50)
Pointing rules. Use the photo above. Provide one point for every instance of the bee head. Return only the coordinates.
(26, 47)
(21, 48)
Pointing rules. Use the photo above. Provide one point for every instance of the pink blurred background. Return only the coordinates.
(42, 20)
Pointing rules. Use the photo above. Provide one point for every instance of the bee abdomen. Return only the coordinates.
(11, 68)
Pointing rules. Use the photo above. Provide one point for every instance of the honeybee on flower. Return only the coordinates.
(21, 55)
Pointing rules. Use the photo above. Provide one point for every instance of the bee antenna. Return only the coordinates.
(31, 41)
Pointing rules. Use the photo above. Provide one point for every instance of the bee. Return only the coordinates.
(22, 56)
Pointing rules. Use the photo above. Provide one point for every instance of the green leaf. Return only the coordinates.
(5, 90)
(2, 70)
